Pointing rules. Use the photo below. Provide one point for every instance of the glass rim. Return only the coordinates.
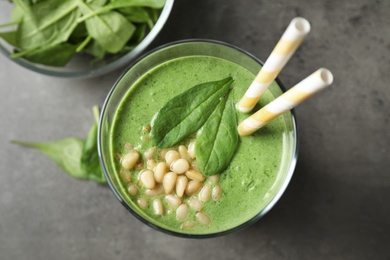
(243, 225)
(94, 72)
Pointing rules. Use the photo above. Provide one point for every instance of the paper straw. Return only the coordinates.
(291, 39)
(296, 95)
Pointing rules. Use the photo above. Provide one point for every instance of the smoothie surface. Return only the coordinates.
(246, 183)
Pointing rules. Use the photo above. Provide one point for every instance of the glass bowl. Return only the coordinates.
(147, 64)
(80, 66)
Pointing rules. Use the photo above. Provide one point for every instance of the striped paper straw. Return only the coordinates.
(291, 39)
(296, 95)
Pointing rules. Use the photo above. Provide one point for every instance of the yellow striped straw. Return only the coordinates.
(291, 39)
(293, 97)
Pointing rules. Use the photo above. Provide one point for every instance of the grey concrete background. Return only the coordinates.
(337, 205)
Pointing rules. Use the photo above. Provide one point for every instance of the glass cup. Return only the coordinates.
(169, 52)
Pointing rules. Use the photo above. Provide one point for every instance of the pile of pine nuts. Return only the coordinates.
(169, 181)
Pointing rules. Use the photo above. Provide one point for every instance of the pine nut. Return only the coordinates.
(181, 184)
(132, 189)
(151, 163)
(158, 207)
(160, 171)
(217, 192)
(195, 166)
(191, 150)
(195, 203)
(195, 175)
(147, 179)
(142, 202)
(169, 181)
(139, 166)
(184, 152)
(162, 153)
(125, 175)
(188, 225)
(171, 156)
(130, 160)
(214, 178)
(203, 218)
(193, 186)
(128, 147)
(173, 200)
(118, 156)
(182, 212)
(180, 166)
(157, 190)
(205, 193)
(149, 154)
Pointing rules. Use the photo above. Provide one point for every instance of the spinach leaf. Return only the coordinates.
(79, 34)
(52, 55)
(111, 29)
(138, 15)
(46, 23)
(78, 158)
(16, 14)
(90, 159)
(187, 112)
(95, 50)
(145, 3)
(96, 3)
(110, 26)
(9, 37)
(139, 34)
(217, 140)
(114, 4)
(65, 153)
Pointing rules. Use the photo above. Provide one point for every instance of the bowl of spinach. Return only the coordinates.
(79, 38)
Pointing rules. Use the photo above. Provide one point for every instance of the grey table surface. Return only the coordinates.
(337, 204)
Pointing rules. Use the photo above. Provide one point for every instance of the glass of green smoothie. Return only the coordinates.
(185, 202)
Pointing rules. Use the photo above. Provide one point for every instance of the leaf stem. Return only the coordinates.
(22, 53)
(96, 113)
(94, 13)
(8, 24)
(84, 43)
(26, 144)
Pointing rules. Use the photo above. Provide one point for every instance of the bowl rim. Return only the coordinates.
(243, 225)
(94, 72)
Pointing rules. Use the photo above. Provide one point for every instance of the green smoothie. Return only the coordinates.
(250, 181)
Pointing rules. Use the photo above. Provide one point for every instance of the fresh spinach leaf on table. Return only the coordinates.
(187, 112)
(78, 158)
(66, 153)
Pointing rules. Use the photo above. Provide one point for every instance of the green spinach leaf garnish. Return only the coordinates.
(78, 158)
(217, 139)
(187, 112)
(206, 109)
